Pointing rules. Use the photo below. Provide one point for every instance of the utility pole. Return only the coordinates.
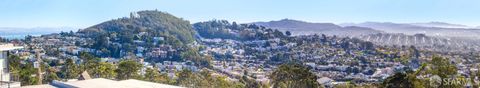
(38, 66)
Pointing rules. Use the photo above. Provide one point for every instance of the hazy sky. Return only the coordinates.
(84, 13)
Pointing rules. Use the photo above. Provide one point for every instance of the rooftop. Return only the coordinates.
(4, 47)
(103, 83)
(5, 84)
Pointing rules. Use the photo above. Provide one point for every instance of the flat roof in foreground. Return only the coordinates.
(103, 83)
(39, 86)
(5, 47)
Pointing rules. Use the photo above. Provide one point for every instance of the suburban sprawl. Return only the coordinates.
(158, 47)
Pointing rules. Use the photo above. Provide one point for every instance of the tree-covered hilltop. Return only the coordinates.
(146, 29)
(225, 30)
(153, 23)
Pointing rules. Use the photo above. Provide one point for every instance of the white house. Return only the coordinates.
(5, 81)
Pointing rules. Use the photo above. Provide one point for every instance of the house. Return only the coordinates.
(5, 81)
(382, 73)
(327, 82)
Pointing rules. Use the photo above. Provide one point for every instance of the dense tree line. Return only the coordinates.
(286, 76)
(225, 30)
(438, 66)
(125, 69)
(293, 75)
(22, 72)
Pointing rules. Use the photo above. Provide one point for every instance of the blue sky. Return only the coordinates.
(84, 13)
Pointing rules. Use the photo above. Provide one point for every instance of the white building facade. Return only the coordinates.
(5, 81)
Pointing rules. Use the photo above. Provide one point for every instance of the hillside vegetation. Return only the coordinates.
(154, 23)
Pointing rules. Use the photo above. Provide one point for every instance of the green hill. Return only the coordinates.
(152, 22)
(225, 30)
(147, 29)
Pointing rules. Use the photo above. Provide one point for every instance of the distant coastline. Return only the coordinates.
(18, 36)
(21, 33)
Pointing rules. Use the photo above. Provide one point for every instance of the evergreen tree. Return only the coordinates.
(50, 75)
(187, 78)
(153, 75)
(14, 66)
(288, 33)
(293, 75)
(26, 73)
(105, 70)
(127, 69)
(70, 69)
(90, 63)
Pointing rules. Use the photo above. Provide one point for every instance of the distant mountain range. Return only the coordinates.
(302, 27)
(431, 34)
(430, 29)
(440, 25)
(441, 29)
